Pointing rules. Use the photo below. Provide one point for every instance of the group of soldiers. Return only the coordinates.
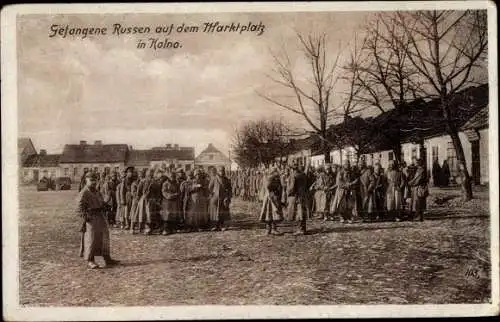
(165, 199)
(162, 199)
(350, 193)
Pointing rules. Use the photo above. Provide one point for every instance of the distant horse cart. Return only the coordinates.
(59, 183)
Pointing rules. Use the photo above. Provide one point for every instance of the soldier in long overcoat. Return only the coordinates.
(271, 212)
(197, 210)
(94, 229)
(297, 199)
(170, 203)
(220, 198)
(419, 191)
(319, 189)
(394, 191)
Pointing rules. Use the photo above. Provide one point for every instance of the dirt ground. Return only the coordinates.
(444, 259)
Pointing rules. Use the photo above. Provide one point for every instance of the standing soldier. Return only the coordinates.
(170, 203)
(95, 231)
(137, 204)
(297, 197)
(144, 207)
(272, 212)
(319, 189)
(126, 197)
(197, 205)
(311, 178)
(342, 202)
(394, 197)
(419, 191)
(83, 179)
(220, 199)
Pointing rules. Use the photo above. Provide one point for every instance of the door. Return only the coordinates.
(36, 176)
(476, 163)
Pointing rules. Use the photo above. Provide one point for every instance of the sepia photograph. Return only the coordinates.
(252, 160)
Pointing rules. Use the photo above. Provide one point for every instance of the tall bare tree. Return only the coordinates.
(447, 49)
(384, 78)
(313, 99)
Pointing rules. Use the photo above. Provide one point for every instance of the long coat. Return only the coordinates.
(297, 197)
(124, 200)
(419, 180)
(394, 192)
(271, 210)
(198, 203)
(320, 188)
(170, 201)
(368, 183)
(342, 202)
(95, 231)
(220, 198)
(134, 191)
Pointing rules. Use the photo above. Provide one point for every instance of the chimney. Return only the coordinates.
(83, 142)
(43, 152)
(169, 146)
(98, 142)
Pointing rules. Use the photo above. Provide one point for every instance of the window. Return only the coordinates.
(348, 156)
(402, 156)
(26, 173)
(66, 172)
(414, 154)
(210, 157)
(117, 169)
(391, 156)
(75, 171)
(435, 153)
(188, 167)
(451, 155)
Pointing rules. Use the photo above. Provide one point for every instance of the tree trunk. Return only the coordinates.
(457, 144)
(326, 151)
(396, 148)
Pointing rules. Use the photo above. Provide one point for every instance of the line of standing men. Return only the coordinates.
(352, 193)
(160, 199)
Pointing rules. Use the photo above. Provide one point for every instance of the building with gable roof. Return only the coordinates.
(212, 157)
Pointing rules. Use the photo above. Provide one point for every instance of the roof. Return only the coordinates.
(22, 143)
(210, 149)
(42, 161)
(478, 121)
(92, 153)
(418, 119)
(144, 157)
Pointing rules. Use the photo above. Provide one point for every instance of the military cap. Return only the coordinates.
(91, 175)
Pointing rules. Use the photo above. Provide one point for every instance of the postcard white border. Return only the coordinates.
(13, 312)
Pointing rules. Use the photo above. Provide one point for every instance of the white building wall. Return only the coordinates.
(442, 143)
(484, 152)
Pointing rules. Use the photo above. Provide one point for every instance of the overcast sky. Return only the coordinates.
(104, 88)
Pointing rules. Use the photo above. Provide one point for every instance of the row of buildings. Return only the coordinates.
(422, 133)
(75, 158)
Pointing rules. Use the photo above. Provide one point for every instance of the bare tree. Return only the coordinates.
(446, 48)
(384, 78)
(260, 142)
(313, 99)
